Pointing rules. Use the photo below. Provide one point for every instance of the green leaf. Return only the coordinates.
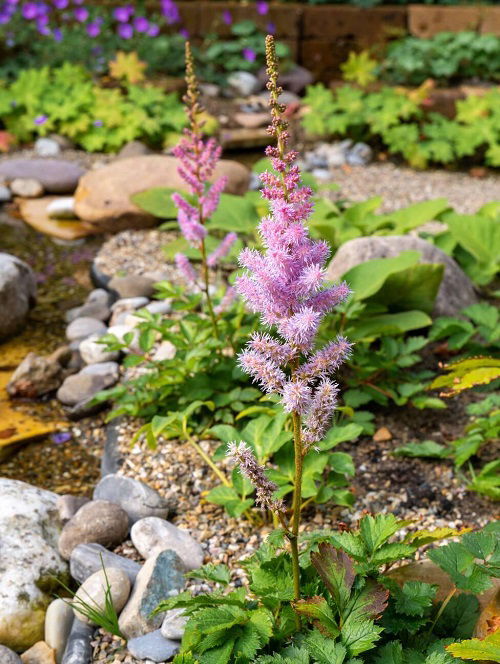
(157, 201)
(458, 618)
(217, 573)
(372, 327)
(336, 570)
(367, 278)
(375, 531)
(210, 620)
(324, 650)
(426, 449)
(390, 653)
(414, 598)
(415, 287)
(235, 213)
(478, 649)
(340, 434)
(458, 563)
(359, 635)
(229, 499)
(317, 610)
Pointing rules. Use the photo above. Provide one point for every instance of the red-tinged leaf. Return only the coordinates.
(369, 603)
(319, 612)
(336, 570)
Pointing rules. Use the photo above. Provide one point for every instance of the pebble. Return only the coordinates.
(165, 351)
(109, 372)
(86, 559)
(47, 147)
(81, 328)
(93, 592)
(159, 307)
(152, 535)
(58, 623)
(174, 624)
(136, 498)
(5, 194)
(68, 505)
(153, 646)
(119, 331)
(93, 352)
(160, 577)
(97, 521)
(79, 649)
(101, 296)
(132, 286)
(89, 310)
(57, 176)
(82, 386)
(8, 656)
(40, 653)
(129, 304)
(133, 149)
(26, 188)
(243, 83)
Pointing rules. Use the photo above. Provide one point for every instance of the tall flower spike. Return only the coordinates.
(249, 466)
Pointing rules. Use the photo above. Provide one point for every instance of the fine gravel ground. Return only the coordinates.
(400, 186)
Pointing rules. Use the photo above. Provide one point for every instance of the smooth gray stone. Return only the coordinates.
(58, 176)
(111, 460)
(136, 498)
(8, 656)
(153, 646)
(174, 624)
(68, 505)
(78, 649)
(152, 535)
(58, 622)
(86, 559)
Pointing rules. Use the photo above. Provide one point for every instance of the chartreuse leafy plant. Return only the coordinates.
(66, 100)
(395, 119)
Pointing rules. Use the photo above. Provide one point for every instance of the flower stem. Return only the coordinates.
(206, 289)
(296, 505)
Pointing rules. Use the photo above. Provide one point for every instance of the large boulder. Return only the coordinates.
(17, 293)
(103, 195)
(456, 290)
(57, 176)
(29, 561)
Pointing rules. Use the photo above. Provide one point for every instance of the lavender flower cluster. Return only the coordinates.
(286, 285)
(48, 17)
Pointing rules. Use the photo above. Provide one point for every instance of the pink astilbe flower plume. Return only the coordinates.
(198, 159)
(249, 466)
(286, 284)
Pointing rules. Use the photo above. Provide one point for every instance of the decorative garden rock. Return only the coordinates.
(82, 386)
(5, 194)
(112, 459)
(57, 176)
(153, 646)
(132, 286)
(68, 505)
(93, 591)
(47, 147)
(30, 563)
(26, 188)
(136, 498)
(37, 375)
(86, 559)
(174, 624)
(160, 577)
(8, 656)
(243, 83)
(17, 293)
(91, 310)
(58, 623)
(83, 327)
(456, 290)
(40, 653)
(92, 351)
(97, 521)
(152, 535)
(79, 647)
(103, 197)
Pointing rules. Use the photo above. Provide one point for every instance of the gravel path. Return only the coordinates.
(400, 186)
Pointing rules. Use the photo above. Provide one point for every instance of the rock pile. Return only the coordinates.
(32, 542)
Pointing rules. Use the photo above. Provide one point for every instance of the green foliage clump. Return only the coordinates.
(66, 100)
(447, 57)
(352, 612)
(395, 120)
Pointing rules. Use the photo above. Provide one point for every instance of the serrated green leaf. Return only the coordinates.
(336, 570)
(478, 649)
(459, 564)
(324, 650)
(317, 610)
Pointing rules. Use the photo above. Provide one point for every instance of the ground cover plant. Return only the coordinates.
(66, 100)
(396, 121)
(325, 596)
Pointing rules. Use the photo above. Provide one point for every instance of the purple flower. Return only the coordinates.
(249, 54)
(286, 285)
(141, 24)
(184, 266)
(170, 11)
(153, 30)
(270, 28)
(81, 14)
(223, 248)
(184, 33)
(93, 29)
(229, 296)
(98, 123)
(4, 18)
(40, 120)
(59, 438)
(249, 466)
(227, 17)
(262, 7)
(29, 11)
(125, 31)
(123, 14)
(57, 34)
(60, 4)
(42, 20)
